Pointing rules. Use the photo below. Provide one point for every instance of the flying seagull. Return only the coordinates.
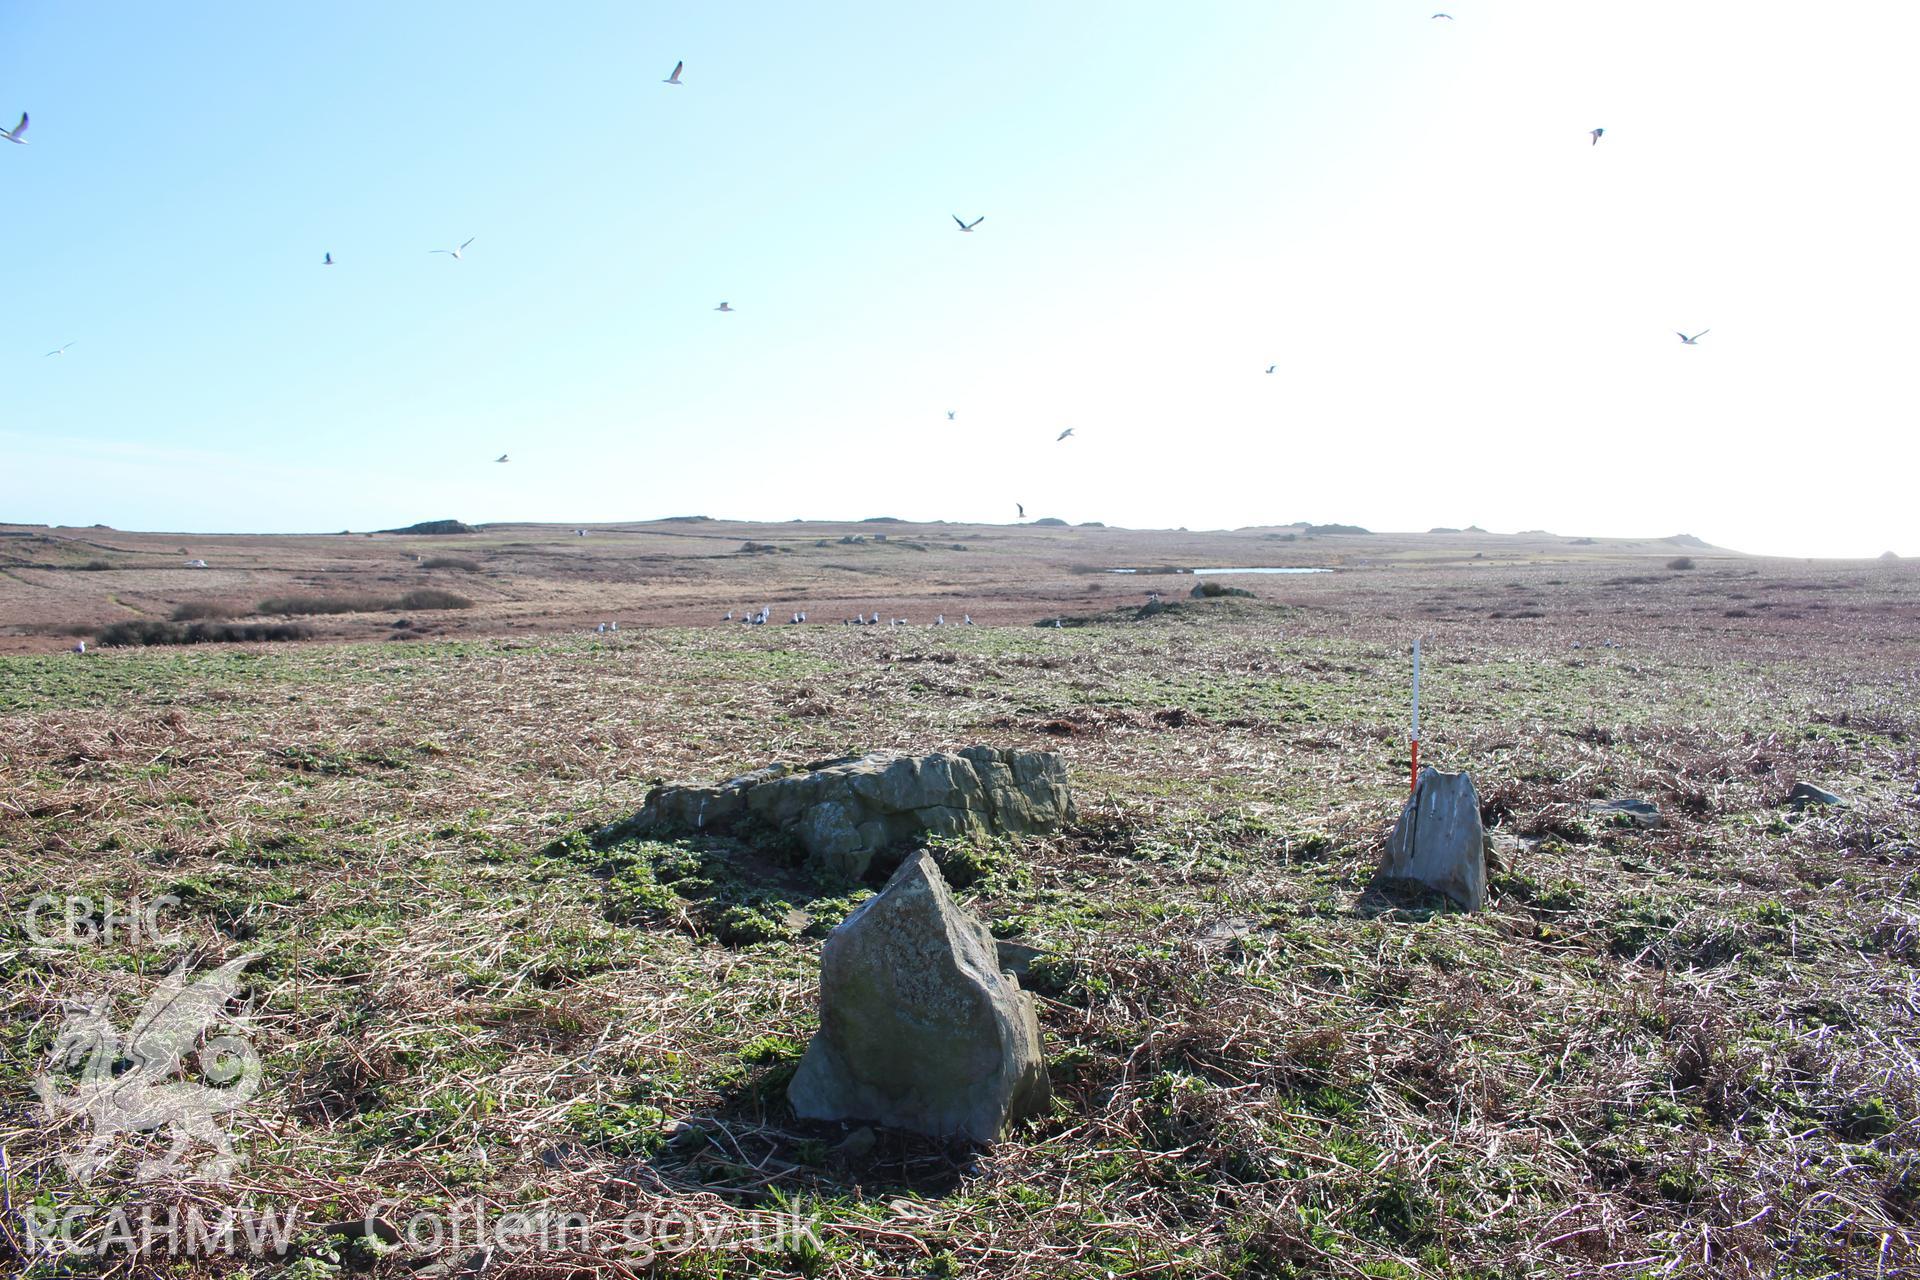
(968, 226)
(1596, 137)
(456, 252)
(1695, 338)
(1272, 367)
(327, 261)
(949, 415)
(725, 306)
(675, 77)
(1021, 508)
(15, 134)
(1063, 435)
(1447, 16)
(62, 351)
(501, 458)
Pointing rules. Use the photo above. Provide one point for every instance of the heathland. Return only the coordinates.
(1683, 1049)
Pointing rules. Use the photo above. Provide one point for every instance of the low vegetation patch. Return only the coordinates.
(433, 528)
(717, 888)
(425, 598)
(205, 611)
(52, 629)
(324, 604)
(460, 563)
(433, 598)
(151, 631)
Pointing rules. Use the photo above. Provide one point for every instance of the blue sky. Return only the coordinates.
(1472, 309)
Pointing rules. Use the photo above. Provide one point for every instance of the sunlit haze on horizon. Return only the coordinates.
(1473, 307)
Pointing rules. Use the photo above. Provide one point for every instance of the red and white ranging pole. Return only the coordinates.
(1415, 735)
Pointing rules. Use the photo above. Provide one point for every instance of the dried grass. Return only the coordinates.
(1680, 1051)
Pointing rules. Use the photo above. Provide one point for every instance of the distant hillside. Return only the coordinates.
(434, 527)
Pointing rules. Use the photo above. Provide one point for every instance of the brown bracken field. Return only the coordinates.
(1687, 1049)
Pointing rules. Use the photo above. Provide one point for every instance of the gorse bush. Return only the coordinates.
(1218, 590)
(434, 598)
(424, 598)
(150, 631)
(1680, 562)
(324, 604)
(437, 528)
(204, 610)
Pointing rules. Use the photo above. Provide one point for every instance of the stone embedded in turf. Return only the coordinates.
(1439, 841)
(844, 811)
(1641, 813)
(920, 1028)
(1805, 793)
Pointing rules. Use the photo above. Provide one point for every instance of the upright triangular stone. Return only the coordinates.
(1439, 840)
(919, 1028)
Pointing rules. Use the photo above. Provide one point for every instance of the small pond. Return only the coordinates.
(1205, 571)
(1243, 569)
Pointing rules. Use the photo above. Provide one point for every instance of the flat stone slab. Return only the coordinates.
(843, 812)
